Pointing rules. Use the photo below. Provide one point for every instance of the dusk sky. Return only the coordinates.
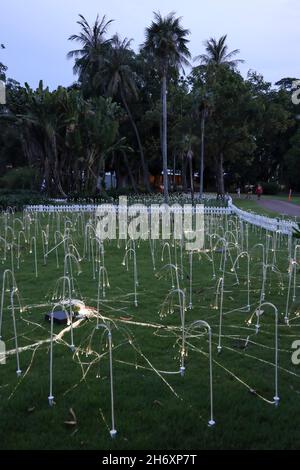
(35, 32)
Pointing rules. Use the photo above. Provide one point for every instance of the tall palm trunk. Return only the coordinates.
(174, 172)
(202, 154)
(220, 175)
(132, 180)
(190, 158)
(56, 169)
(183, 172)
(47, 175)
(143, 161)
(165, 138)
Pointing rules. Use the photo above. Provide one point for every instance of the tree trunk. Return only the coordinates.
(183, 173)
(57, 177)
(165, 138)
(190, 158)
(201, 174)
(220, 175)
(143, 161)
(130, 172)
(174, 172)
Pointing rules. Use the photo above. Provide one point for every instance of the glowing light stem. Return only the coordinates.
(201, 323)
(292, 267)
(103, 282)
(129, 252)
(276, 397)
(241, 255)
(33, 244)
(297, 247)
(191, 279)
(13, 284)
(113, 431)
(13, 290)
(167, 246)
(220, 288)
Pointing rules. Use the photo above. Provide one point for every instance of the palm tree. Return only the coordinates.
(39, 124)
(217, 56)
(217, 53)
(119, 78)
(204, 105)
(166, 43)
(94, 45)
(189, 141)
(3, 67)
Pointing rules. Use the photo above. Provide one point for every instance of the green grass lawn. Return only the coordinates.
(154, 410)
(295, 199)
(252, 206)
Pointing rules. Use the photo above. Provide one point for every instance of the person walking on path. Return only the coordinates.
(259, 191)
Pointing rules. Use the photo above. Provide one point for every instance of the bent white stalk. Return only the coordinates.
(203, 324)
(275, 310)
(113, 431)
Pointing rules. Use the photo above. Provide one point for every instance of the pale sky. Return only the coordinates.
(35, 32)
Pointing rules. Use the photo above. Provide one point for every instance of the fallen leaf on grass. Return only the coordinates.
(74, 420)
(156, 402)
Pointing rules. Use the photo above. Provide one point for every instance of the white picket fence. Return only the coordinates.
(112, 207)
(272, 224)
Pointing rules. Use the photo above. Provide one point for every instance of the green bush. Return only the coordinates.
(271, 188)
(19, 178)
(18, 199)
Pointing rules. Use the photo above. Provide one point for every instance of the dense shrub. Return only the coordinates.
(19, 178)
(146, 199)
(105, 196)
(20, 198)
(271, 188)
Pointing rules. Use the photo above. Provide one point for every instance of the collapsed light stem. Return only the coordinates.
(13, 291)
(113, 431)
(220, 288)
(204, 324)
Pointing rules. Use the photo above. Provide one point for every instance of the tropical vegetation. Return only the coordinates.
(155, 118)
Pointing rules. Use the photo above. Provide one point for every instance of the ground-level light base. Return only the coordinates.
(51, 401)
(276, 401)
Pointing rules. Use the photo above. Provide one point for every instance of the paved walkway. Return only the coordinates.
(281, 207)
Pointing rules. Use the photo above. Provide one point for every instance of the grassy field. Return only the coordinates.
(252, 206)
(294, 200)
(154, 410)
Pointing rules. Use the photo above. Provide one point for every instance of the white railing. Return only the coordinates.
(272, 224)
(75, 208)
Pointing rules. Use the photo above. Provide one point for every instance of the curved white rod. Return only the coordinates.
(268, 304)
(201, 324)
(113, 431)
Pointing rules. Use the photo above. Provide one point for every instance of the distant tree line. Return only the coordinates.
(142, 116)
